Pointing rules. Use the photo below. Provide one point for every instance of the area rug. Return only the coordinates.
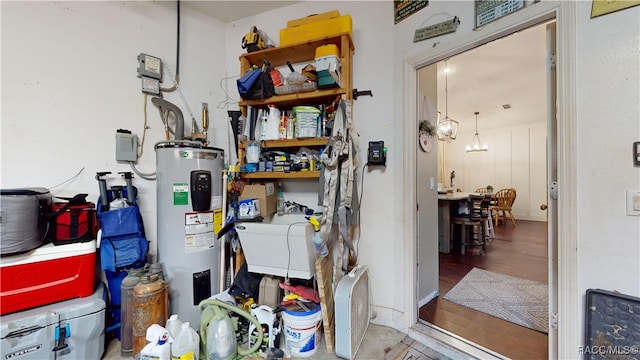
(520, 301)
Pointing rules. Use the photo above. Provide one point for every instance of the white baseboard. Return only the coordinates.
(425, 300)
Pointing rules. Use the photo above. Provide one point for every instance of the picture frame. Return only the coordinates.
(487, 11)
(636, 154)
(602, 7)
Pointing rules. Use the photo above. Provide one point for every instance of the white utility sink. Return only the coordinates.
(286, 219)
(280, 245)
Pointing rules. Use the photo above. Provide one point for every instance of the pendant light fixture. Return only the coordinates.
(447, 128)
(474, 146)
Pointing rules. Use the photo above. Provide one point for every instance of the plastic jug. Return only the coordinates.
(159, 347)
(273, 123)
(253, 152)
(174, 326)
(186, 346)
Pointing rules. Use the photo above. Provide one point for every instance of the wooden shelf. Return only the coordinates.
(285, 143)
(281, 175)
(294, 53)
(303, 52)
(315, 97)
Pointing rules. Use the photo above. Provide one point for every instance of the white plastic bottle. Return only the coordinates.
(159, 347)
(273, 123)
(186, 346)
(174, 325)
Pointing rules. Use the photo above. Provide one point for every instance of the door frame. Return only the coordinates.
(563, 342)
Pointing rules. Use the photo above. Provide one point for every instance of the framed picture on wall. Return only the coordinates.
(490, 10)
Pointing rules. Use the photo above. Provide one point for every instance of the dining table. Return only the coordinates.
(447, 209)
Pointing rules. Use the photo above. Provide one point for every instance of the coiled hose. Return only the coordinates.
(208, 309)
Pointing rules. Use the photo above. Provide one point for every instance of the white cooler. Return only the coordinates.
(72, 329)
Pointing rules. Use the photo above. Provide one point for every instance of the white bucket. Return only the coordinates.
(303, 331)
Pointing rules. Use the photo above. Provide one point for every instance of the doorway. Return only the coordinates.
(513, 123)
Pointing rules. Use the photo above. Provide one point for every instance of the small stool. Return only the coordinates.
(471, 233)
(488, 233)
(472, 223)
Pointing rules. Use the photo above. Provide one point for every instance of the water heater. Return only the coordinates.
(189, 207)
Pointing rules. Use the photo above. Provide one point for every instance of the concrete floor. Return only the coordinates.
(378, 340)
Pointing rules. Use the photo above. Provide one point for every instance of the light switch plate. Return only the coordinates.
(633, 203)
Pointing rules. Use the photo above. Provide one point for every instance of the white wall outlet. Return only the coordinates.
(633, 203)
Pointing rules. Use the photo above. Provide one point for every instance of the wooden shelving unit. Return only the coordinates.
(297, 53)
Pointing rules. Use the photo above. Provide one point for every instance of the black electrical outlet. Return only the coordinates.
(201, 286)
(377, 154)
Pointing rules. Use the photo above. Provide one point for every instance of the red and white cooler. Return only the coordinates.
(46, 275)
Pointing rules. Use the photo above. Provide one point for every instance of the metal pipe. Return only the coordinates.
(164, 104)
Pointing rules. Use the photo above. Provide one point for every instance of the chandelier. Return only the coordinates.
(474, 145)
(447, 128)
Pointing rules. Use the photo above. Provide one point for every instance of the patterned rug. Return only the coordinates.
(520, 301)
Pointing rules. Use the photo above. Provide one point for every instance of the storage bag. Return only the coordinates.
(73, 221)
(23, 223)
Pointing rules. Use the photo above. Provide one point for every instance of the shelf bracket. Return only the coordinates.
(357, 93)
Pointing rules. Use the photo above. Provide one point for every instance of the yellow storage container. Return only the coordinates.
(327, 50)
(315, 17)
(316, 30)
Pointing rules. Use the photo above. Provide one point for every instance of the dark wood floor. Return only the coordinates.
(520, 252)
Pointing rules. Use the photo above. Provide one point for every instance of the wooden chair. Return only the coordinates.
(502, 202)
(482, 190)
(469, 218)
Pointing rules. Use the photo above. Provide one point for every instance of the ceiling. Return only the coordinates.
(229, 11)
(511, 70)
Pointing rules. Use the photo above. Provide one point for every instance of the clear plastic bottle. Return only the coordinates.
(280, 206)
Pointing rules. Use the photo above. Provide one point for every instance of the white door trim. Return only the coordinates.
(569, 336)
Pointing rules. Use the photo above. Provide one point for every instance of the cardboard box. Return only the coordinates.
(266, 193)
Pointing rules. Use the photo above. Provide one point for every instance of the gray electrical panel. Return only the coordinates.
(149, 66)
(126, 146)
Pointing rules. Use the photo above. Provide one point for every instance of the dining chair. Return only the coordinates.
(482, 190)
(469, 218)
(502, 203)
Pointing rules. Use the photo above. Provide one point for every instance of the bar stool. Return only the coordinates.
(487, 223)
(469, 218)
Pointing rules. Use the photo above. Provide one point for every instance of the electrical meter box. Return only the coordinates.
(126, 146)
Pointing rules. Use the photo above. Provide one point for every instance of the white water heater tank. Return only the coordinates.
(189, 207)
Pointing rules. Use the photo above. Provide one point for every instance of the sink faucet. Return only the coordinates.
(453, 175)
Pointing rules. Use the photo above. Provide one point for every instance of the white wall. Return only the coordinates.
(608, 64)
(515, 159)
(69, 82)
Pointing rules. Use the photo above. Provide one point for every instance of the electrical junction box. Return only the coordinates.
(149, 66)
(150, 71)
(126, 146)
(377, 154)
